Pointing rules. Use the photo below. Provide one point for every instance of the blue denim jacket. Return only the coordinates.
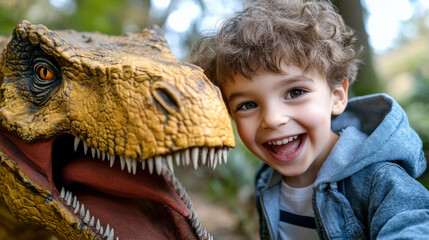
(366, 188)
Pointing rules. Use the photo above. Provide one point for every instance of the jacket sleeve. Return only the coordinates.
(398, 205)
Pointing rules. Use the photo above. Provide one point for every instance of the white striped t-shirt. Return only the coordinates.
(296, 213)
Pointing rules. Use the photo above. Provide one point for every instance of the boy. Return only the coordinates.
(284, 68)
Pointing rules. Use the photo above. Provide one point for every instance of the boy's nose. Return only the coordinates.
(273, 118)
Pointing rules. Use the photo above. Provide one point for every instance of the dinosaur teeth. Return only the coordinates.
(194, 157)
(150, 165)
(85, 215)
(85, 147)
(91, 223)
(169, 160)
(82, 210)
(93, 152)
(76, 143)
(158, 164)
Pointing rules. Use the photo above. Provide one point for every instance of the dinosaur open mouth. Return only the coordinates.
(148, 203)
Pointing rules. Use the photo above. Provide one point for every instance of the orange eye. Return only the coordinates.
(45, 73)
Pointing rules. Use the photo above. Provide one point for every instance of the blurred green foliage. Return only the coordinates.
(105, 16)
(233, 184)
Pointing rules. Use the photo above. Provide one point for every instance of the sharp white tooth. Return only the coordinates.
(177, 158)
(225, 155)
(74, 202)
(134, 166)
(158, 164)
(112, 161)
(93, 152)
(122, 162)
(103, 155)
(91, 223)
(101, 230)
(194, 156)
(204, 152)
(212, 156)
(69, 199)
(82, 210)
(111, 234)
(221, 156)
(106, 233)
(85, 147)
(67, 195)
(187, 157)
(128, 163)
(76, 143)
(143, 164)
(215, 160)
(98, 153)
(87, 217)
(117, 238)
(63, 192)
(150, 165)
(97, 226)
(76, 210)
(183, 157)
(169, 160)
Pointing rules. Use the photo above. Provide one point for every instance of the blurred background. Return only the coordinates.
(395, 34)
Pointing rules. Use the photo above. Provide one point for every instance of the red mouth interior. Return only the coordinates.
(144, 206)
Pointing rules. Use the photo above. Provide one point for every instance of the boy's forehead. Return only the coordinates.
(285, 70)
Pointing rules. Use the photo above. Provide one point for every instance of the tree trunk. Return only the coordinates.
(367, 80)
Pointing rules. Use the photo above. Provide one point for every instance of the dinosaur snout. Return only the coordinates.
(167, 96)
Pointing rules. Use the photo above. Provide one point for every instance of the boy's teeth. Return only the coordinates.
(284, 141)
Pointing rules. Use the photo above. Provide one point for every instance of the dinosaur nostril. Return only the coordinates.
(166, 95)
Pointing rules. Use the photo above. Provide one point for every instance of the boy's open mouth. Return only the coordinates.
(285, 146)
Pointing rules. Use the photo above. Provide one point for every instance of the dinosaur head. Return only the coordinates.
(91, 127)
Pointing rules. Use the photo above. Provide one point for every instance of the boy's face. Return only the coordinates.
(285, 119)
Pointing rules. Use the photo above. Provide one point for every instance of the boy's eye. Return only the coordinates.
(246, 106)
(294, 93)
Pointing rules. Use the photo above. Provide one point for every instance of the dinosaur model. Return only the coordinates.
(91, 127)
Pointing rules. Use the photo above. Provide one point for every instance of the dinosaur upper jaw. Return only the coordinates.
(141, 206)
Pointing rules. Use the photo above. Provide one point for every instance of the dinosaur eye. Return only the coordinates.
(45, 73)
(45, 80)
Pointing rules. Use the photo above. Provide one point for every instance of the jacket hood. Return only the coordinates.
(372, 129)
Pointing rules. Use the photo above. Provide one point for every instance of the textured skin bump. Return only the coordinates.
(124, 95)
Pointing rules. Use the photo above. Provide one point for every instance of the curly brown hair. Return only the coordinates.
(308, 34)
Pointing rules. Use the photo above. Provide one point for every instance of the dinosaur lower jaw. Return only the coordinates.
(131, 218)
(134, 206)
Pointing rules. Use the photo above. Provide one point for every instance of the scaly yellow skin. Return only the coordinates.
(124, 95)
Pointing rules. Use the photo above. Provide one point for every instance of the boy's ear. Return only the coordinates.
(339, 93)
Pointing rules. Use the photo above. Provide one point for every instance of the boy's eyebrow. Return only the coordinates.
(235, 95)
(297, 78)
